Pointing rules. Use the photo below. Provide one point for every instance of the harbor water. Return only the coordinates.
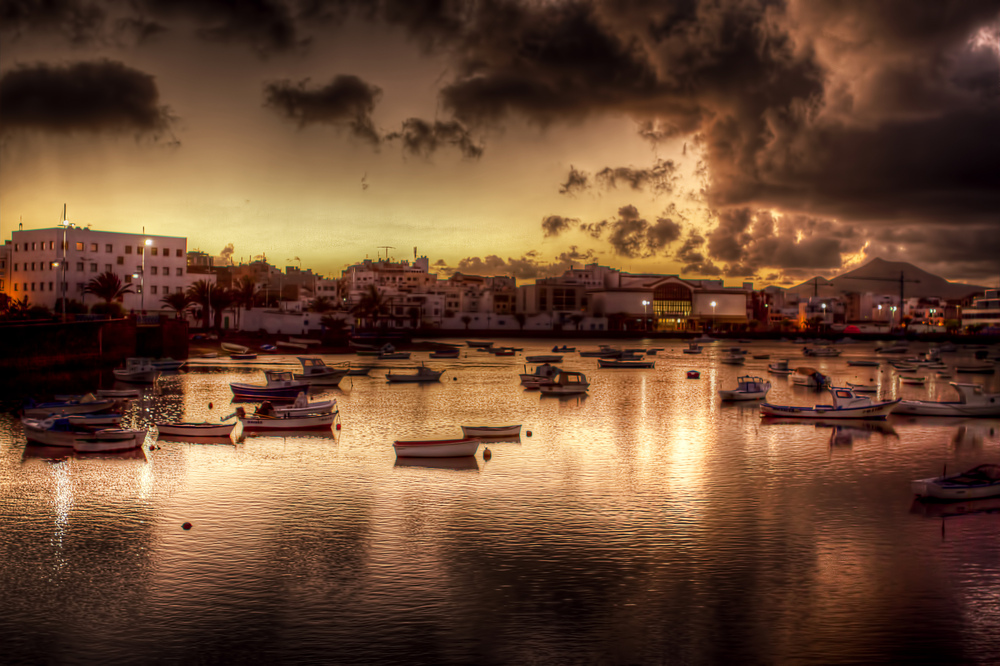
(646, 522)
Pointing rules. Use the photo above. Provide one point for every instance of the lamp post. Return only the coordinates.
(893, 317)
(645, 317)
(823, 305)
(713, 315)
(142, 277)
(880, 312)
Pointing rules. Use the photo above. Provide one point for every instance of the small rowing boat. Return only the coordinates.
(491, 431)
(976, 483)
(436, 448)
(188, 429)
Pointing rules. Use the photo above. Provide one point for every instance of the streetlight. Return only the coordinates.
(880, 312)
(893, 317)
(645, 319)
(713, 314)
(142, 278)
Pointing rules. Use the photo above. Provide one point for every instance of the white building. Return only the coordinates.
(43, 264)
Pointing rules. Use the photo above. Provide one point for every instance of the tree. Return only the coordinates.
(521, 318)
(335, 325)
(244, 293)
(201, 294)
(322, 304)
(108, 287)
(577, 319)
(372, 305)
(466, 319)
(221, 299)
(177, 301)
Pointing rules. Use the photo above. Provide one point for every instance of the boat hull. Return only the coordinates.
(736, 395)
(874, 411)
(46, 408)
(445, 448)
(331, 378)
(311, 422)
(544, 358)
(250, 392)
(196, 429)
(491, 431)
(929, 408)
(941, 489)
(136, 377)
(107, 441)
(608, 363)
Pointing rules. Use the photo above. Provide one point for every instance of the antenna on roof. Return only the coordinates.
(386, 248)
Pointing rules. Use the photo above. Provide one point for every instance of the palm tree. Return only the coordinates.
(521, 318)
(201, 293)
(322, 304)
(335, 326)
(245, 292)
(108, 287)
(221, 299)
(372, 305)
(177, 301)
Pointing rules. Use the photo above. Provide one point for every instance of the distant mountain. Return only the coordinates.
(882, 276)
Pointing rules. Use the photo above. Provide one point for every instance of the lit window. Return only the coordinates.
(93, 247)
(155, 250)
(79, 246)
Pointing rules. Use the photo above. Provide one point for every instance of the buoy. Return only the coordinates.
(338, 426)
(152, 448)
(186, 526)
(454, 379)
(210, 405)
(528, 433)
(487, 454)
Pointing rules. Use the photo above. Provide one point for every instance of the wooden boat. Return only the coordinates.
(624, 363)
(308, 342)
(102, 420)
(692, 348)
(461, 463)
(891, 349)
(445, 353)
(975, 368)
(137, 370)
(604, 351)
(806, 376)
(503, 351)
(914, 379)
(119, 393)
(542, 373)
(747, 388)
(233, 348)
(302, 406)
(249, 356)
(272, 422)
(291, 345)
(436, 448)
(388, 352)
(972, 401)
(761, 357)
(846, 405)
(544, 358)
(360, 371)
(977, 483)
(733, 359)
(479, 344)
(423, 374)
(863, 363)
(268, 348)
(188, 429)
(88, 404)
(59, 431)
(563, 349)
(491, 431)
(315, 371)
(871, 387)
(779, 367)
(280, 386)
(106, 441)
(821, 351)
(167, 364)
(565, 383)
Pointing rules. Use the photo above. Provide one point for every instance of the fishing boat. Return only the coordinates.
(359, 371)
(563, 349)
(302, 406)
(503, 351)
(102, 420)
(119, 393)
(692, 348)
(846, 405)
(281, 385)
(624, 363)
(806, 376)
(189, 429)
(603, 351)
(436, 448)
(565, 383)
(107, 441)
(544, 358)
(88, 404)
(445, 353)
(870, 387)
(761, 357)
(315, 371)
(263, 422)
(422, 374)
(975, 368)
(167, 364)
(542, 373)
(491, 431)
(233, 348)
(479, 344)
(976, 483)
(733, 359)
(137, 370)
(891, 349)
(249, 356)
(863, 363)
(779, 367)
(972, 401)
(59, 431)
(388, 352)
(747, 388)
(821, 351)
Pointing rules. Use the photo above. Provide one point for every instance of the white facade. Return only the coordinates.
(43, 263)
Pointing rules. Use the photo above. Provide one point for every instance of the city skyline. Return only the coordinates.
(708, 140)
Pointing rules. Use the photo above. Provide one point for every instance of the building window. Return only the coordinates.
(152, 270)
(128, 249)
(180, 271)
(166, 270)
(107, 268)
(15, 286)
(79, 247)
(128, 279)
(108, 248)
(155, 250)
(138, 249)
(179, 253)
(121, 261)
(50, 286)
(15, 267)
(32, 247)
(79, 266)
(32, 286)
(93, 247)
(93, 268)
(153, 289)
(52, 245)
(32, 265)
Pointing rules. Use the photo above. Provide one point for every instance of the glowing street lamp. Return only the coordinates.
(142, 277)
(713, 314)
(645, 320)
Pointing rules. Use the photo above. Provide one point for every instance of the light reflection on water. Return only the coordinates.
(646, 522)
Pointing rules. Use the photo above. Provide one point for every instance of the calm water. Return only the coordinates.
(644, 523)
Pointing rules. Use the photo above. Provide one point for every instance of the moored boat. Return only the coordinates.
(422, 374)
(137, 370)
(119, 393)
(167, 364)
(280, 385)
(975, 368)
(106, 441)
(544, 358)
(976, 483)
(747, 388)
(565, 383)
(692, 348)
(436, 448)
(88, 404)
(913, 379)
(233, 348)
(263, 422)
(189, 429)
(542, 373)
(479, 344)
(302, 406)
(779, 367)
(563, 349)
(248, 356)
(315, 371)
(95, 420)
(491, 431)
(870, 387)
(445, 353)
(624, 363)
(733, 358)
(806, 376)
(846, 405)
(972, 401)
(863, 363)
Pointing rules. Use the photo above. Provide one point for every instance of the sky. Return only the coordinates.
(746, 140)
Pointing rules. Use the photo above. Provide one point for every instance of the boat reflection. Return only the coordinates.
(57, 453)
(285, 434)
(858, 426)
(513, 439)
(930, 508)
(463, 463)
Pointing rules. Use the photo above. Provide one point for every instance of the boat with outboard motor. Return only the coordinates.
(264, 420)
(137, 370)
(979, 482)
(847, 404)
(565, 383)
(747, 388)
(972, 401)
(806, 376)
(315, 371)
(779, 367)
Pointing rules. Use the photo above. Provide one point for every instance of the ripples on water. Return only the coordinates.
(644, 523)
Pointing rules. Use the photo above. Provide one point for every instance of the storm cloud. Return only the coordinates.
(420, 137)
(346, 101)
(528, 267)
(91, 97)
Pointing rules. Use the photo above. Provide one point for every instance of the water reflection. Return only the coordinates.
(464, 463)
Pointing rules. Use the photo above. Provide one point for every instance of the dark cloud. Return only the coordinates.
(138, 30)
(659, 178)
(347, 101)
(420, 137)
(268, 26)
(527, 267)
(553, 225)
(630, 235)
(575, 181)
(692, 256)
(79, 22)
(93, 97)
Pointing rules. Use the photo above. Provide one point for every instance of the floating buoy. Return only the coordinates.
(152, 448)
(338, 426)
(186, 526)
(454, 379)
(528, 433)
(210, 405)
(487, 454)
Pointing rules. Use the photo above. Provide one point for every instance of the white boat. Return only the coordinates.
(733, 358)
(167, 364)
(747, 388)
(423, 374)
(846, 405)
(976, 483)
(233, 348)
(542, 373)
(308, 342)
(302, 406)
(291, 345)
(59, 431)
(280, 386)
(137, 370)
(491, 431)
(544, 358)
(189, 429)
(972, 401)
(692, 348)
(870, 387)
(779, 367)
(436, 448)
(88, 404)
(315, 371)
(805, 376)
(105, 441)
(257, 422)
(565, 383)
